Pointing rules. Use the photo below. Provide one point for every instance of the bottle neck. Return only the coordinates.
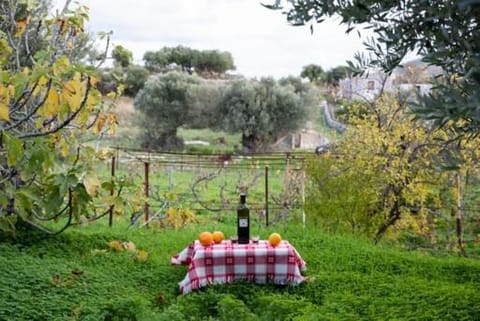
(243, 199)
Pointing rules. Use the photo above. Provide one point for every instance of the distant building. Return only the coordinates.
(412, 77)
(367, 87)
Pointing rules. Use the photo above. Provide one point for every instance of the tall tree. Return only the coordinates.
(314, 73)
(122, 56)
(213, 61)
(262, 111)
(46, 102)
(443, 33)
(164, 106)
(386, 175)
(334, 75)
(189, 60)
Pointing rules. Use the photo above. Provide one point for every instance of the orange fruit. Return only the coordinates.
(218, 237)
(274, 239)
(205, 238)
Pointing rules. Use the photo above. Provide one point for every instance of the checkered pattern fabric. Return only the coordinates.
(225, 262)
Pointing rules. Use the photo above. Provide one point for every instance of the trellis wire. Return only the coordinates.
(224, 165)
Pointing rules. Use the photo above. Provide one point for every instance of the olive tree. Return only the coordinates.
(189, 60)
(444, 33)
(262, 111)
(163, 105)
(314, 73)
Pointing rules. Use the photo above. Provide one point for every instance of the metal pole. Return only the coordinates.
(112, 188)
(266, 195)
(146, 209)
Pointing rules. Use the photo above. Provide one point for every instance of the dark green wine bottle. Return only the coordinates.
(243, 221)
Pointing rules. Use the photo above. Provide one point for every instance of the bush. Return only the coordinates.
(135, 78)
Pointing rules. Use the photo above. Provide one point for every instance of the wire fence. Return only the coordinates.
(274, 183)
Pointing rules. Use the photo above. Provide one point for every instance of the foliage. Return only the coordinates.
(333, 76)
(443, 33)
(312, 72)
(178, 217)
(110, 79)
(131, 78)
(189, 60)
(26, 19)
(164, 106)
(203, 99)
(135, 79)
(44, 174)
(384, 174)
(75, 277)
(213, 61)
(262, 111)
(298, 86)
(122, 57)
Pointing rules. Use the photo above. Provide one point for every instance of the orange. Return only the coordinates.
(274, 239)
(205, 238)
(218, 237)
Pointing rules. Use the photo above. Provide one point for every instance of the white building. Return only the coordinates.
(414, 77)
(365, 87)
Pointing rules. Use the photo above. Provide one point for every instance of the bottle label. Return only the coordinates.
(243, 222)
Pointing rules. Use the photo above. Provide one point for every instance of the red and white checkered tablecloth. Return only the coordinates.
(226, 262)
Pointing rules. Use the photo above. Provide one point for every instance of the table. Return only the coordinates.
(225, 262)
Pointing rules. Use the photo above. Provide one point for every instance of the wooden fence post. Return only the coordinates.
(266, 195)
(147, 187)
(112, 191)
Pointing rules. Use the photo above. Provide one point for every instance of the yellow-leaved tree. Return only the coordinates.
(388, 174)
(48, 101)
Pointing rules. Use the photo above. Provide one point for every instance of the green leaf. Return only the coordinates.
(7, 224)
(53, 202)
(14, 148)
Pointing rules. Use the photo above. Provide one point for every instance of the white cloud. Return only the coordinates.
(260, 40)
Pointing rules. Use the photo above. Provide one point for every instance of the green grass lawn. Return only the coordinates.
(75, 276)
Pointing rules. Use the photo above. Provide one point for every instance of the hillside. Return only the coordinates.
(77, 277)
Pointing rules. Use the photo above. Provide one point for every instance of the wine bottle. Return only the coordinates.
(243, 221)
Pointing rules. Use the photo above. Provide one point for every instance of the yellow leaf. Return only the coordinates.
(4, 112)
(21, 26)
(92, 185)
(42, 82)
(115, 245)
(142, 256)
(93, 81)
(73, 93)
(129, 246)
(112, 122)
(52, 103)
(61, 65)
(93, 99)
(99, 124)
(4, 103)
(111, 95)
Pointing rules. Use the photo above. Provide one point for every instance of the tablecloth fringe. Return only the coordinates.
(194, 285)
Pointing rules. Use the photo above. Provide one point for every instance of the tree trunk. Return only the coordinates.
(459, 217)
(394, 216)
(249, 143)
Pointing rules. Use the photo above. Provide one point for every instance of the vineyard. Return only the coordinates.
(166, 184)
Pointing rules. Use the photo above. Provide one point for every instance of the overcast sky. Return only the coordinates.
(260, 40)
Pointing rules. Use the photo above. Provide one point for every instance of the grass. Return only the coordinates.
(200, 183)
(75, 276)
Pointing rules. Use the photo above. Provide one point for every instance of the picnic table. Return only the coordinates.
(226, 262)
